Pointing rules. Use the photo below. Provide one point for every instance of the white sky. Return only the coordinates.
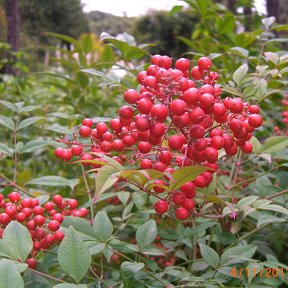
(140, 7)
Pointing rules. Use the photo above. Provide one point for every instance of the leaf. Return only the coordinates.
(102, 226)
(247, 201)
(73, 255)
(94, 72)
(118, 167)
(226, 24)
(9, 105)
(232, 90)
(53, 181)
(209, 255)
(265, 219)
(246, 251)
(267, 22)
(272, 207)
(146, 233)
(28, 108)
(9, 275)
(256, 144)
(104, 179)
(274, 144)
(243, 52)
(4, 148)
(152, 251)
(29, 121)
(96, 249)
(240, 74)
(59, 129)
(19, 240)
(7, 122)
(273, 57)
(82, 226)
(34, 145)
(131, 267)
(185, 174)
(63, 37)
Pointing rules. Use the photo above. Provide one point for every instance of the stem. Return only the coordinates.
(88, 192)
(47, 276)
(12, 183)
(15, 152)
(277, 194)
(100, 280)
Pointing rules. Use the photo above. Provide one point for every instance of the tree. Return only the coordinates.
(163, 29)
(65, 17)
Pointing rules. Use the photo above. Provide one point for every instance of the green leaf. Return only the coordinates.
(116, 165)
(273, 57)
(265, 219)
(209, 255)
(131, 268)
(272, 207)
(274, 144)
(9, 105)
(247, 201)
(34, 145)
(105, 179)
(246, 251)
(96, 249)
(59, 129)
(28, 108)
(185, 174)
(4, 148)
(256, 144)
(18, 147)
(29, 121)
(73, 255)
(232, 90)
(102, 226)
(146, 233)
(53, 181)
(240, 74)
(7, 122)
(9, 275)
(82, 226)
(226, 24)
(243, 52)
(19, 240)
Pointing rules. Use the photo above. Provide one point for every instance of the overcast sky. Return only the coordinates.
(140, 7)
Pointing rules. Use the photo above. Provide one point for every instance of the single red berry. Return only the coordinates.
(255, 120)
(179, 198)
(131, 96)
(59, 236)
(146, 164)
(144, 106)
(117, 145)
(4, 218)
(73, 203)
(125, 112)
(165, 156)
(14, 197)
(39, 220)
(66, 154)
(87, 122)
(189, 204)
(181, 213)
(32, 263)
(197, 131)
(86, 157)
(116, 125)
(76, 150)
(182, 64)
(204, 63)
(144, 147)
(161, 207)
(84, 131)
(178, 107)
(159, 112)
(101, 128)
(189, 189)
(11, 210)
(38, 210)
(176, 142)
(53, 225)
(197, 73)
(57, 199)
(20, 217)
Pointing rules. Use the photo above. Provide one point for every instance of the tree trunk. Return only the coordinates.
(12, 17)
(273, 8)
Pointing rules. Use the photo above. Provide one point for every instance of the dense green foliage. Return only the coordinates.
(241, 219)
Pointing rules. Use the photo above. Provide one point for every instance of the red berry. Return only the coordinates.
(101, 128)
(85, 157)
(189, 204)
(117, 145)
(189, 189)
(159, 112)
(204, 63)
(11, 210)
(144, 147)
(38, 210)
(182, 64)
(53, 225)
(144, 106)
(161, 207)
(116, 125)
(197, 131)
(196, 73)
(14, 197)
(20, 217)
(57, 199)
(191, 96)
(32, 263)
(146, 164)
(255, 120)
(66, 154)
(178, 107)
(179, 198)
(176, 142)
(76, 150)
(87, 122)
(26, 203)
(165, 157)
(85, 131)
(131, 96)
(4, 218)
(126, 112)
(39, 220)
(59, 236)
(182, 213)
(73, 203)
(58, 217)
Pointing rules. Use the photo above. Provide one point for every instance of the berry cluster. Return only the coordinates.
(43, 222)
(284, 114)
(173, 121)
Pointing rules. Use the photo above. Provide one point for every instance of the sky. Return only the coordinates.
(139, 7)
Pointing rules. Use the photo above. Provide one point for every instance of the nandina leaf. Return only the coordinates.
(186, 174)
(9, 275)
(146, 233)
(102, 226)
(274, 144)
(209, 255)
(74, 256)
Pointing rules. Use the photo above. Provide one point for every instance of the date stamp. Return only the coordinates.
(264, 272)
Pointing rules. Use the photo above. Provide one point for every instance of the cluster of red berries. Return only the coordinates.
(43, 222)
(284, 114)
(171, 122)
